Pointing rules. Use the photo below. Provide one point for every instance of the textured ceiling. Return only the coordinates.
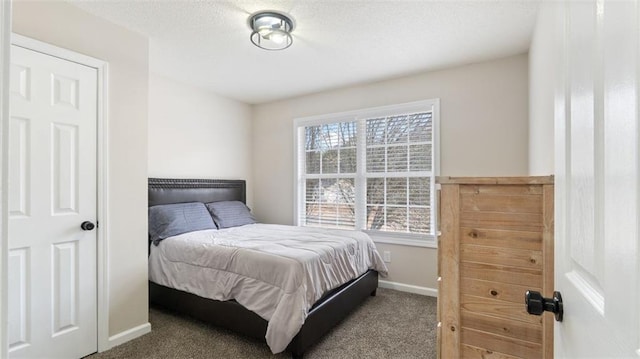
(335, 43)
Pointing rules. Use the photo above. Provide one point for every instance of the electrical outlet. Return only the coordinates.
(386, 256)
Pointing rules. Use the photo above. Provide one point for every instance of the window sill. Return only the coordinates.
(404, 240)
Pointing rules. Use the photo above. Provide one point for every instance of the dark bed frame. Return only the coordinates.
(324, 315)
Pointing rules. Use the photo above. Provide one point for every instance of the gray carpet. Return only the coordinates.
(390, 325)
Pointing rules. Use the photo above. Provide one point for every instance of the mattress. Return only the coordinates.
(276, 271)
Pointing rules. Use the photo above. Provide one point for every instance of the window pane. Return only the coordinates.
(329, 191)
(348, 160)
(312, 137)
(312, 207)
(330, 161)
(396, 219)
(312, 214)
(312, 164)
(375, 217)
(328, 145)
(312, 193)
(421, 127)
(397, 129)
(375, 190)
(419, 188)
(397, 159)
(348, 136)
(376, 159)
(397, 191)
(329, 213)
(419, 220)
(376, 131)
(330, 135)
(330, 203)
(420, 157)
(347, 190)
(347, 216)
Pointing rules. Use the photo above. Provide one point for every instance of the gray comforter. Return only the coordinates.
(276, 271)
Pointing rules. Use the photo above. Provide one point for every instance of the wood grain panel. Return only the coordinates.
(503, 233)
(502, 190)
(448, 256)
(494, 290)
(501, 256)
(530, 222)
(471, 352)
(496, 180)
(500, 203)
(501, 238)
(508, 328)
(496, 343)
(439, 310)
(507, 311)
(503, 274)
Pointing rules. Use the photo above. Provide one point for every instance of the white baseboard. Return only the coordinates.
(129, 334)
(431, 292)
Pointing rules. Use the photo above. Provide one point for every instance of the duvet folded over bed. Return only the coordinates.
(276, 271)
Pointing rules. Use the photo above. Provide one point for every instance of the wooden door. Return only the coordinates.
(52, 191)
(597, 179)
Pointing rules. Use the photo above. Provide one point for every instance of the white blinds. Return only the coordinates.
(365, 171)
(330, 170)
(399, 173)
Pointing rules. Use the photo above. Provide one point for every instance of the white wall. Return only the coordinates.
(66, 26)
(541, 95)
(484, 132)
(194, 133)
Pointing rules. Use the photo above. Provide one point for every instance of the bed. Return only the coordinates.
(333, 306)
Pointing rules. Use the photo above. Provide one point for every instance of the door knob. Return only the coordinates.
(537, 304)
(87, 226)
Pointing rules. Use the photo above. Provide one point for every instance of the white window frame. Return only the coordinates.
(410, 239)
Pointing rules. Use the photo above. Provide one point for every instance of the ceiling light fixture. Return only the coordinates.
(271, 30)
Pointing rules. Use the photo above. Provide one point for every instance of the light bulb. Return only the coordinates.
(277, 37)
(265, 32)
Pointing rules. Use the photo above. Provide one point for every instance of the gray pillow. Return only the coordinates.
(168, 220)
(230, 214)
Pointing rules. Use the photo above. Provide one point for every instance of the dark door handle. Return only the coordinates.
(87, 226)
(537, 304)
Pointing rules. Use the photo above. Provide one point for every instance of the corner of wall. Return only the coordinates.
(541, 95)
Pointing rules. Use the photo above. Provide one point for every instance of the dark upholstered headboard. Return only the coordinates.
(171, 190)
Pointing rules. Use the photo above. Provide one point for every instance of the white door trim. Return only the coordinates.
(5, 60)
(102, 175)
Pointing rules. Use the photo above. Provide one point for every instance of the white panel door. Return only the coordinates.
(597, 179)
(52, 190)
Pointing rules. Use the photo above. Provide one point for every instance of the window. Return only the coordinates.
(372, 170)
